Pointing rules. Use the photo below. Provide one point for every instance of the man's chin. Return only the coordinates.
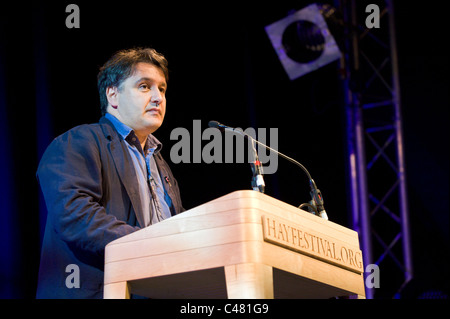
(153, 125)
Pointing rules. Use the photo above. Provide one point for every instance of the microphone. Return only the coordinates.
(257, 179)
(316, 202)
(215, 124)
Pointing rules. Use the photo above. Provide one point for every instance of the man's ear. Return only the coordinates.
(111, 95)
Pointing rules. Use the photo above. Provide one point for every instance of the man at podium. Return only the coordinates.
(106, 180)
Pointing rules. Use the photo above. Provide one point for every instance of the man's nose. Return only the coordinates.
(156, 96)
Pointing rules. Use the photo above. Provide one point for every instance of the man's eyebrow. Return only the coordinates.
(164, 84)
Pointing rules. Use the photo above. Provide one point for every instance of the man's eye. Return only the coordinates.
(144, 87)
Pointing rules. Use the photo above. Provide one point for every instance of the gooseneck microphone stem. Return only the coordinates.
(317, 199)
(286, 157)
(316, 195)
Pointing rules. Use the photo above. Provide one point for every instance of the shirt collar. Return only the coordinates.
(124, 131)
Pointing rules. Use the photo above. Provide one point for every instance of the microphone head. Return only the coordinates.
(214, 124)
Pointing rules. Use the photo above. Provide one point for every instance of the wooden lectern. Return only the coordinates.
(242, 245)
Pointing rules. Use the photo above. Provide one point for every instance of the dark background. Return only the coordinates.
(222, 67)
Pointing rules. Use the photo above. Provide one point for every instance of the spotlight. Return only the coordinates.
(303, 41)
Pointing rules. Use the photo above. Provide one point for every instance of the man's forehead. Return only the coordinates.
(148, 71)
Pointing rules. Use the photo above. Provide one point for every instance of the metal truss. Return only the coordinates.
(375, 144)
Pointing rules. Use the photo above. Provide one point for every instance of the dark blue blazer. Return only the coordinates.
(89, 185)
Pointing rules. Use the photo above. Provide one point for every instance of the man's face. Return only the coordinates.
(140, 101)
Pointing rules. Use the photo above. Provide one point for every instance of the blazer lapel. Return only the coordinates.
(166, 176)
(125, 169)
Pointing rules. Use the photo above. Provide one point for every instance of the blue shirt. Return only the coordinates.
(155, 200)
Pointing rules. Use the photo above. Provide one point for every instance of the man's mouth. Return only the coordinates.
(153, 111)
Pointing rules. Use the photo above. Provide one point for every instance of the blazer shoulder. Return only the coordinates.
(87, 132)
(80, 139)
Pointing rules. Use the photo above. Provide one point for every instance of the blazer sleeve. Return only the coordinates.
(70, 175)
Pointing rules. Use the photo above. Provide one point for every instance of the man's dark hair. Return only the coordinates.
(122, 65)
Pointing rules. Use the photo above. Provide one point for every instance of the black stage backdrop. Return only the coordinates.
(222, 67)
